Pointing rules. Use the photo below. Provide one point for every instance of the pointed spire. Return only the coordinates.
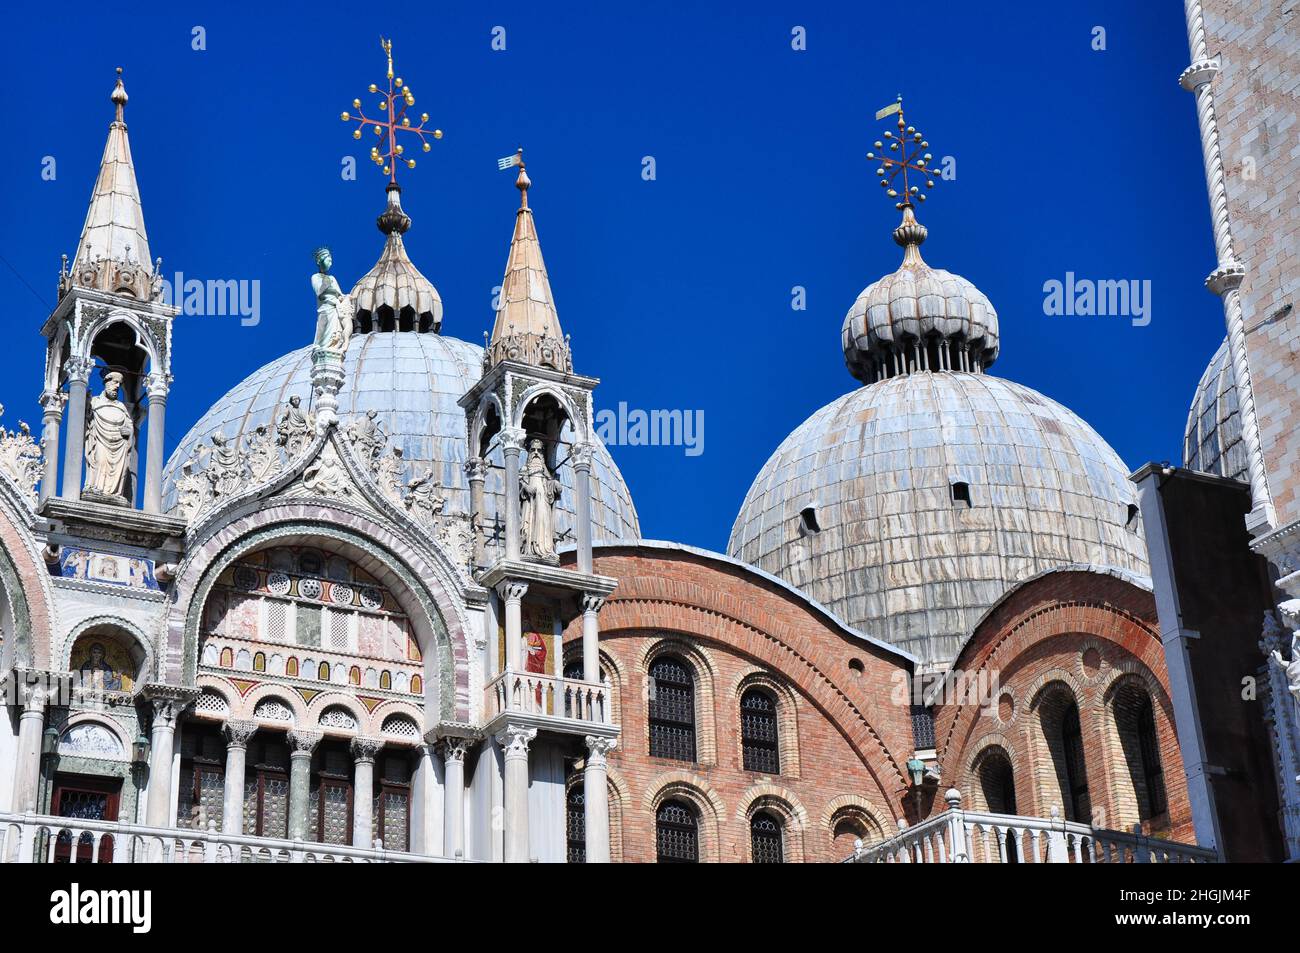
(113, 254)
(527, 328)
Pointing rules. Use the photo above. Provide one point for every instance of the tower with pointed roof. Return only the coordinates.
(110, 318)
(531, 404)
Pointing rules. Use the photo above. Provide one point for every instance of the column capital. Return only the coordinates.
(515, 739)
(581, 456)
(78, 369)
(168, 702)
(592, 602)
(53, 401)
(303, 742)
(454, 749)
(1227, 277)
(598, 747)
(157, 386)
(34, 697)
(238, 733)
(475, 469)
(513, 438)
(1199, 73)
(512, 590)
(364, 750)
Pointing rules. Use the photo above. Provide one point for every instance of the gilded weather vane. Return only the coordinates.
(393, 108)
(910, 147)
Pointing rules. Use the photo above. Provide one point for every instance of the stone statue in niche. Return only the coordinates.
(294, 428)
(538, 492)
(334, 310)
(110, 434)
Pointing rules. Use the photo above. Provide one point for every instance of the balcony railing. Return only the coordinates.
(546, 695)
(38, 838)
(958, 836)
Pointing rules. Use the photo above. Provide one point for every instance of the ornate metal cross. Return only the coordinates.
(392, 108)
(917, 159)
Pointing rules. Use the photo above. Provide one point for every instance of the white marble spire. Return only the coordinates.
(113, 254)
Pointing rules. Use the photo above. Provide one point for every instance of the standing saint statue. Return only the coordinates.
(294, 427)
(538, 491)
(334, 310)
(109, 436)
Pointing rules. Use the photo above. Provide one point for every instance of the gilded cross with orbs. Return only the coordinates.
(910, 148)
(392, 108)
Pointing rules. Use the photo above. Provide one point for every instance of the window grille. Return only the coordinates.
(672, 710)
(758, 732)
(765, 839)
(677, 834)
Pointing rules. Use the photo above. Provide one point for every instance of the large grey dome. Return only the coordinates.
(862, 506)
(414, 381)
(1212, 441)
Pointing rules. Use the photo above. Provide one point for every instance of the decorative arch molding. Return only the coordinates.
(220, 687)
(705, 668)
(247, 705)
(100, 720)
(787, 715)
(334, 699)
(972, 787)
(858, 809)
(124, 627)
(782, 802)
(1121, 791)
(440, 621)
(709, 807)
(26, 586)
(682, 620)
(488, 400)
(145, 337)
(388, 709)
(548, 389)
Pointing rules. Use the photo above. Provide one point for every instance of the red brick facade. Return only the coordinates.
(844, 726)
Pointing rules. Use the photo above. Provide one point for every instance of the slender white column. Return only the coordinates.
(232, 801)
(512, 593)
(453, 808)
(27, 770)
(364, 751)
(581, 459)
(512, 442)
(160, 812)
(78, 373)
(476, 473)
(595, 792)
(53, 403)
(157, 384)
(591, 606)
(301, 746)
(515, 740)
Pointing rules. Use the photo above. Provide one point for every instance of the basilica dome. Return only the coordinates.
(912, 505)
(1212, 441)
(414, 381)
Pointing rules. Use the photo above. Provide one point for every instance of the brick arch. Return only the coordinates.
(766, 796)
(972, 785)
(858, 809)
(1123, 793)
(25, 585)
(438, 616)
(691, 787)
(787, 715)
(637, 615)
(700, 660)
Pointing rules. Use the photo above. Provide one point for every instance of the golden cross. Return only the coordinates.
(892, 169)
(393, 121)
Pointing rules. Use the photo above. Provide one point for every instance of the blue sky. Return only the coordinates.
(676, 291)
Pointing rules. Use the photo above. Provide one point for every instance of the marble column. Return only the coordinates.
(476, 473)
(581, 459)
(160, 812)
(512, 441)
(512, 594)
(27, 770)
(301, 746)
(453, 752)
(53, 418)
(591, 606)
(514, 741)
(157, 385)
(595, 794)
(232, 800)
(364, 751)
(78, 371)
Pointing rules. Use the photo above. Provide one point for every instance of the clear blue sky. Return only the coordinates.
(676, 291)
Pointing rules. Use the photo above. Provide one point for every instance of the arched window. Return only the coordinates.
(758, 732)
(765, 839)
(575, 824)
(1078, 807)
(677, 834)
(1152, 772)
(672, 709)
(997, 783)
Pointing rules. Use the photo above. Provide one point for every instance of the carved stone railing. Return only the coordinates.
(958, 836)
(37, 838)
(548, 696)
